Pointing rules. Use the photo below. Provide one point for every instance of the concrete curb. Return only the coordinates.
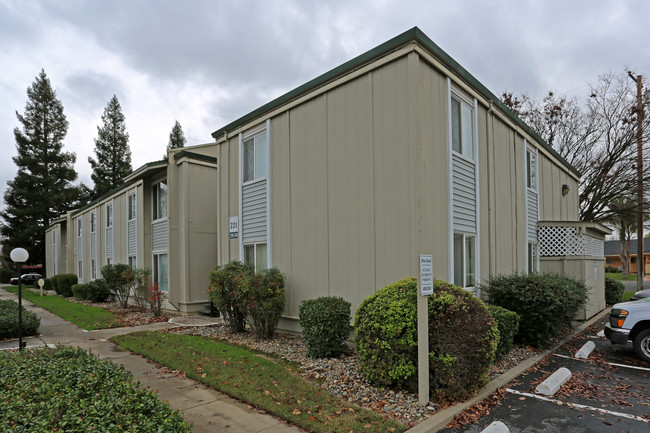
(440, 420)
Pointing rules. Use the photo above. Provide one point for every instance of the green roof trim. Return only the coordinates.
(194, 155)
(399, 41)
(139, 173)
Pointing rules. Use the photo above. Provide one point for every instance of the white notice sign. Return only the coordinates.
(426, 275)
(234, 227)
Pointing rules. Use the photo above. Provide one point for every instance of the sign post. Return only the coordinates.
(425, 288)
(41, 283)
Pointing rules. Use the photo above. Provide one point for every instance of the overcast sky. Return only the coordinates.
(206, 63)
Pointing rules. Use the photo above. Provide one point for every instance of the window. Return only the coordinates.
(79, 228)
(80, 273)
(531, 169)
(132, 261)
(255, 255)
(256, 157)
(532, 258)
(109, 215)
(609, 261)
(160, 200)
(132, 206)
(464, 260)
(633, 259)
(93, 222)
(160, 271)
(462, 127)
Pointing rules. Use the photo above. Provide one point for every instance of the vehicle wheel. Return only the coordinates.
(642, 345)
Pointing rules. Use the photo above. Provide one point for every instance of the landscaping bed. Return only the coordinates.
(342, 376)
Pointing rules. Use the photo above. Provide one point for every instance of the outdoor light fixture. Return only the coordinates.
(20, 256)
(565, 189)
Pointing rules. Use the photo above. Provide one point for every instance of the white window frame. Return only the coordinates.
(464, 283)
(54, 255)
(80, 273)
(263, 145)
(155, 274)
(532, 176)
(132, 215)
(253, 132)
(532, 260)
(93, 230)
(470, 105)
(109, 225)
(255, 256)
(155, 195)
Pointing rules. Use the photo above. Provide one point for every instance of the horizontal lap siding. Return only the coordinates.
(254, 212)
(159, 236)
(132, 242)
(109, 243)
(464, 194)
(532, 215)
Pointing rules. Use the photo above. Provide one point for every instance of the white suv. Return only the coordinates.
(630, 321)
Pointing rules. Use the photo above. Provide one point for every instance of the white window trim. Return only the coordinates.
(154, 205)
(132, 192)
(453, 91)
(242, 137)
(154, 260)
(476, 249)
(80, 230)
(54, 255)
(106, 227)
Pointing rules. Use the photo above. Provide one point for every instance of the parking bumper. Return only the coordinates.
(616, 336)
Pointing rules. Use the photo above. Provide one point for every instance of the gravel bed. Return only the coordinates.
(342, 376)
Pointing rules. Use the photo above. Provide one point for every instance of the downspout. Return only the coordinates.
(490, 165)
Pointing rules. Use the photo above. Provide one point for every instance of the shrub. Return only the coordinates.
(72, 390)
(325, 324)
(48, 284)
(120, 279)
(97, 290)
(508, 323)
(224, 291)
(64, 283)
(613, 291)
(79, 291)
(141, 294)
(612, 269)
(263, 298)
(55, 283)
(9, 320)
(156, 298)
(546, 303)
(462, 339)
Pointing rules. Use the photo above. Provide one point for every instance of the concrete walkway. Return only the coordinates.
(209, 410)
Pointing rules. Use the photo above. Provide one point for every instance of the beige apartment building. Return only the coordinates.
(341, 183)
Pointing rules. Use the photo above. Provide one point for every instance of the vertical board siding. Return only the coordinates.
(132, 242)
(159, 236)
(464, 194)
(254, 212)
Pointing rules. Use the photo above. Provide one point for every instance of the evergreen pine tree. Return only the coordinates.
(113, 161)
(176, 137)
(42, 189)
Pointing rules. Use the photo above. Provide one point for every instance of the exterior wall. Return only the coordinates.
(192, 226)
(59, 265)
(616, 262)
(360, 185)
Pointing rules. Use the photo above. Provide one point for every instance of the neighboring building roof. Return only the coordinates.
(613, 248)
(410, 36)
(194, 155)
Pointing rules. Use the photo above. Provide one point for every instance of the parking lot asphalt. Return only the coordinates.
(608, 392)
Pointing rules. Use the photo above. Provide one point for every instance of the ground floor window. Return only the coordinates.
(464, 259)
(160, 271)
(532, 258)
(609, 261)
(80, 272)
(93, 269)
(255, 255)
(132, 261)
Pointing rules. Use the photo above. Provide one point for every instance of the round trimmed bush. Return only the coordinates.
(508, 323)
(325, 324)
(462, 339)
(613, 291)
(79, 291)
(546, 303)
(97, 290)
(9, 320)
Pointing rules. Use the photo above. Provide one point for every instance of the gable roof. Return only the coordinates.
(414, 35)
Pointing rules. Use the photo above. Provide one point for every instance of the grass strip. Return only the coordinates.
(618, 276)
(257, 380)
(84, 316)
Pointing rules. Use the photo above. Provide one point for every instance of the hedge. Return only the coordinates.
(9, 320)
(613, 291)
(508, 324)
(325, 324)
(73, 391)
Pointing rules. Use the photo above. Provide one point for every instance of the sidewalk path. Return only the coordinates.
(209, 410)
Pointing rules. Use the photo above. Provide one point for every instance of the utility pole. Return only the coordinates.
(640, 257)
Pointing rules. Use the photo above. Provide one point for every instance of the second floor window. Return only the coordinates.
(160, 200)
(256, 157)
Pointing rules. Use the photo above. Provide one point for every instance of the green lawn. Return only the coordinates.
(257, 380)
(84, 316)
(618, 276)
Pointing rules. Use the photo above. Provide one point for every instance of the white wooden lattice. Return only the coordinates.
(568, 241)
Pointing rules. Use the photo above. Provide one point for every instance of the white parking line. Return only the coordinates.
(578, 406)
(610, 363)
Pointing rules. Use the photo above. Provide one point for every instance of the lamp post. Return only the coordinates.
(20, 256)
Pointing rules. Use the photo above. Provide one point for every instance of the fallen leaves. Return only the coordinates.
(479, 410)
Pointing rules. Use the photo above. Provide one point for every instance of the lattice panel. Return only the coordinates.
(567, 241)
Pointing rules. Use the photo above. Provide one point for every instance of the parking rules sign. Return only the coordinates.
(426, 275)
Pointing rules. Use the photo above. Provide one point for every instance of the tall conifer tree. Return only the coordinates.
(42, 189)
(112, 150)
(176, 137)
